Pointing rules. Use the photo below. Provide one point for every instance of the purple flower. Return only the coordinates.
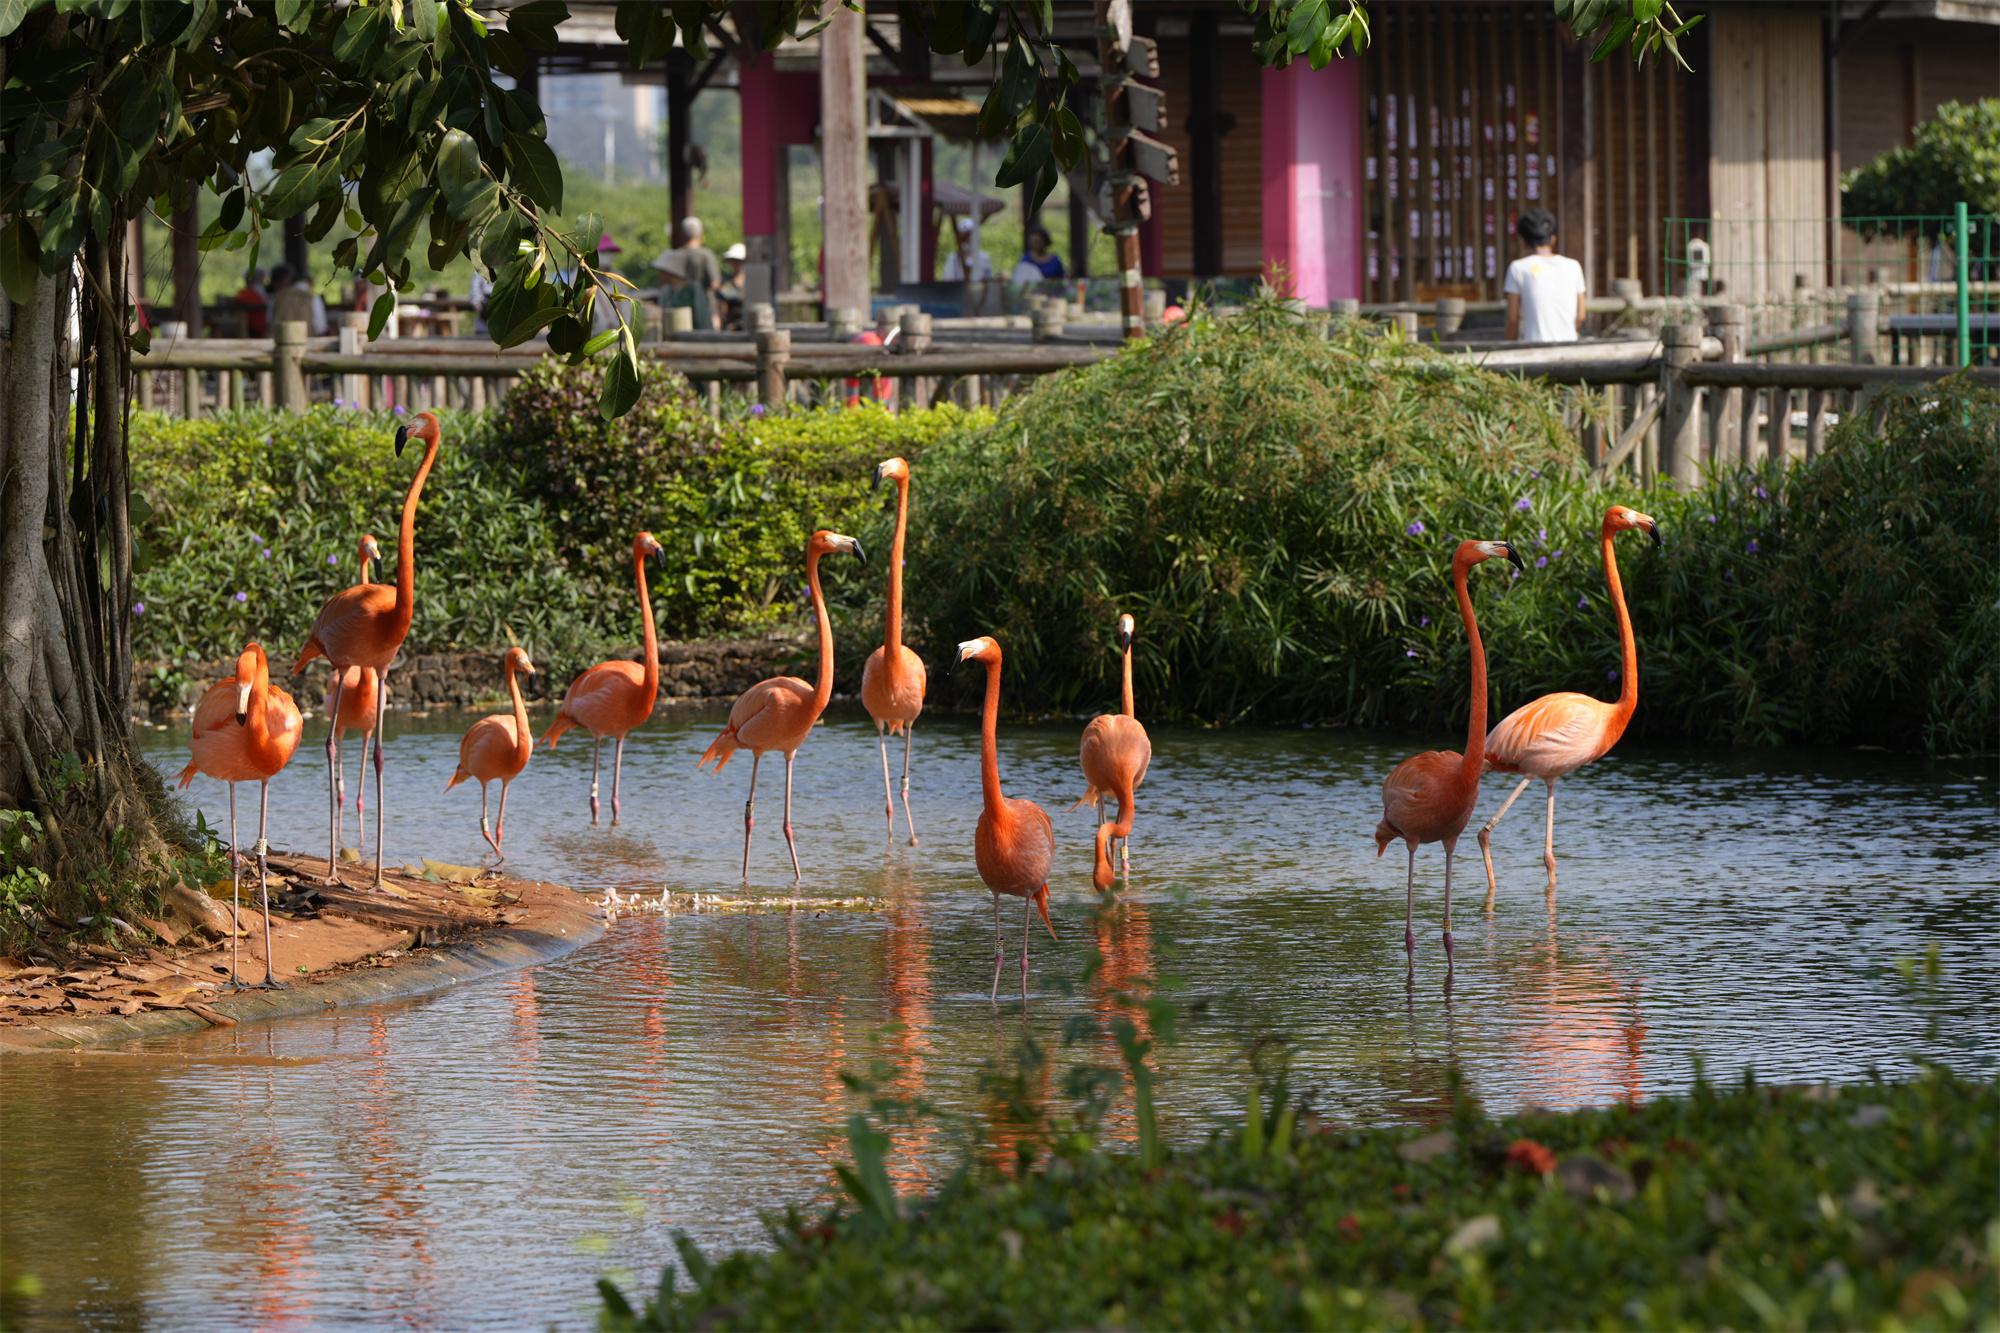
(1709, 517)
(138, 608)
(1583, 603)
(1752, 547)
(255, 538)
(1729, 575)
(1535, 472)
(1416, 528)
(1541, 562)
(1555, 555)
(333, 560)
(1423, 622)
(756, 409)
(242, 596)
(1543, 536)
(267, 439)
(1611, 673)
(1760, 492)
(1523, 505)
(340, 402)
(1513, 574)
(267, 553)
(1409, 652)
(400, 409)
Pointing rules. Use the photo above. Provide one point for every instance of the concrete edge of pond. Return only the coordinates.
(558, 921)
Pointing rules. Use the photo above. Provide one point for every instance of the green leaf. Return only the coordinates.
(566, 335)
(378, 314)
(424, 18)
(614, 1300)
(534, 24)
(457, 159)
(358, 34)
(1025, 155)
(621, 385)
(981, 18)
(293, 15)
(533, 167)
(517, 312)
(598, 342)
(1620, 33)
(11, 14)
(20, 260)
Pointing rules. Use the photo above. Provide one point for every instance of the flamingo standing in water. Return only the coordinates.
(1429, 797)
(245, 730)
(613, 698)
(778, 714)
(1014, 844)
(498, 747)
(365, 626)
(1557, 734)
(892, 683)
(358, 694)
(1115, 753)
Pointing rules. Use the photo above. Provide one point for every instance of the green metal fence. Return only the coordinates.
(1938, 278)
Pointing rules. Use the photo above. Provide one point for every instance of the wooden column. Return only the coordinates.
(1731, 324)
(289, 345)
(680, 106)
(1204, 128)
(914, 340)
(843, 156)
(774, 352)
(1680, 454)
(1863, 310)
(187, 270)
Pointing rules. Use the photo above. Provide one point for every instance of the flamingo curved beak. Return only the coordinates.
(1514, 557)
(243, 703)
(859, 554)
(1653, 531)
(402, 438)
(878, 477)
(1124, 636)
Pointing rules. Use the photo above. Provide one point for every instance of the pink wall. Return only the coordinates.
(778, 109)
(1313, 129)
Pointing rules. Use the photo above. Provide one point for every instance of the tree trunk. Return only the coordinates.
(66, 578)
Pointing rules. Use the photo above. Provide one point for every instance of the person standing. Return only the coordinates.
(1545, 290)
(702, 271)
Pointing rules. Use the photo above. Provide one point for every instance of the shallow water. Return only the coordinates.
(477, 1158)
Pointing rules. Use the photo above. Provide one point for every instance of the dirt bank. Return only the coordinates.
(429, 926)
(696, 671)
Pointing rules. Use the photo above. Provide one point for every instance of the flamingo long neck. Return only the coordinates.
(406, 543)
(1628, 647)
(524, 741)
(823, 690)
(366, 564)
(989, 742)
(649, 678)
(892, 637)
(1475, 730)
(257, 725)
(1128, 682)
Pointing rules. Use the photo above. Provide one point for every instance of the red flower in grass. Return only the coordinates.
(1529, 1155)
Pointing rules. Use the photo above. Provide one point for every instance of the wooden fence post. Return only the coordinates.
(1406, 320)
(1047, 319)
(774, 352)
(1450, 316)
(353, 334)
(288, 347)
(843, 323)
(914, 340)
(1155, 305)
(679, 320)
(1731, 324)
(1680, 454)
(1863, 308)
(1346, 308)
(760, 316)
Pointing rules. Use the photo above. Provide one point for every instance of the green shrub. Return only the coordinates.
(1279, 512)
(1951, 159)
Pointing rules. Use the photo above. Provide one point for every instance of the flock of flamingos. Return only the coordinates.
(246, 730)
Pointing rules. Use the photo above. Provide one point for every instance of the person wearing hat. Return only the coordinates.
(702, 272)
(968, 263)
(671, 266)
(729, 296)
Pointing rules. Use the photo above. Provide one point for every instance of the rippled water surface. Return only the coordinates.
(477, 1158)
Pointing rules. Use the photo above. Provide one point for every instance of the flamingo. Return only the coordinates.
(1014, 844)
(1115, 754)
(498, 747)
(1429, 797)
(357, 697)
(612, 698)
(778, 714)
(892, 683)
(245, 730)
(1557, 734)
(365, 626)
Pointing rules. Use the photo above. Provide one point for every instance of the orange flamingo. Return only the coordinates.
(1115, 754)
(1429, 797)
(892, 683)
(498, 747)
(365, 626)
(245, 730)
(613, 698)
(358, 698)
(1557, 734)
(778, 714)
(1014, 844)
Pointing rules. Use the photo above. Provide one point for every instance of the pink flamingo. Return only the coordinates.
(1557, 734)
(357, 692)
(892, 683)
(498, 747)
(778, 714)
(613, 698)
(1115, 754)
(1014, 844)
(245, 730)
(1429, 797)
(365, 626)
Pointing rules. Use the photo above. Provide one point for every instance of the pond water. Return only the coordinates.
(478, 1157)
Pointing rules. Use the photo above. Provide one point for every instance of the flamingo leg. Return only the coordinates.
(360, 789)
(750, 813)
(235, 892)
(1410, 909)
(333, 797)
(596, 759)
(888, 793)
(791, 845)
(1486, 837)
(340, 783)
(1549, 840)
(270, 981)
(617, 772)
(1027, 918)
(484, 831)
(1450, 848)
(500, 821)
(999, 951)
(1125, 804)
(907, 816)
(381, 710)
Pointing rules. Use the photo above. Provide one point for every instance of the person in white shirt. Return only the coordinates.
(1545, 290)
(968, 263)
